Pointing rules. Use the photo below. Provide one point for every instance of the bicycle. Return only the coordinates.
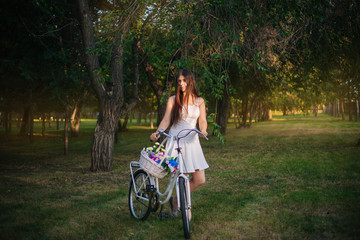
(144, 192)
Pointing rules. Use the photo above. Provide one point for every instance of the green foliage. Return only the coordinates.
(292, 53)
(216, 129)
(216, 83)
(44, 55)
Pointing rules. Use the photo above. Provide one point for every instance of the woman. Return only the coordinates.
(184, 110)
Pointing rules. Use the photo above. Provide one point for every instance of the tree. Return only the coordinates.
(109, 92)
(330, 44)
(239, 44)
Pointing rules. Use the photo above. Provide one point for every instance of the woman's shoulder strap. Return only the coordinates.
(172, 98)
(197, 101)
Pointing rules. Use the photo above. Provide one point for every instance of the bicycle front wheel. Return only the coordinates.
(184, 207)
(139, 199)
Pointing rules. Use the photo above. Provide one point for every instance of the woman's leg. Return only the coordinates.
(197, 179)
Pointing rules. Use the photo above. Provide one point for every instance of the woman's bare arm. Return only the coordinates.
(165, 122)
(202, 117)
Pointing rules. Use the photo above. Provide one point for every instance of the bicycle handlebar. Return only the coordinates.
(162, 131)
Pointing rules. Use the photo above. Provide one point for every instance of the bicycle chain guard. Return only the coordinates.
(150, 188)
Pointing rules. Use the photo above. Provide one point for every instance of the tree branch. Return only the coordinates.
(91, 60)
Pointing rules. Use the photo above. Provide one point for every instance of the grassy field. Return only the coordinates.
(294, 177)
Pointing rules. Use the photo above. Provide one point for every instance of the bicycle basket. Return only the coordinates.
(150, 166)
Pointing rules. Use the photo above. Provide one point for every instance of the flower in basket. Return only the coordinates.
(157, 153)
(170, 165)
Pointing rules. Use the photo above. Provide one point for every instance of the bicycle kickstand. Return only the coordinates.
(163, 215)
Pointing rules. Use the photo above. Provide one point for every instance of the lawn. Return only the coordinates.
(295, 177)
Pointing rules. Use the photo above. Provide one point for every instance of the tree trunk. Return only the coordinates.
(25, 121)
(244, 109)
(357, 110)
(2, 115)
(316, 110)
(31, 118)
(160, 111)
(341, 98)
(349, 104)
(31, 125)
(75, 120)
(269, 114)
(57, 121)
(255, 112)
(350, 111)
(43, 118)
(78, 121)
(327, 109)
(336, 109)
(265, 113)
(252, 104)
(251, 114)
(49, 120)
(238, 114)
(284, 110)
(233, 106)
(18, 121)
(223, 110)
(139, 119)
(66, 132)
(10, 122)
(104, 137)
(123, 126)
(260, 112)
(6, 121)
(152, 120)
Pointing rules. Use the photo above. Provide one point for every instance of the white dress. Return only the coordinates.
(190, 146)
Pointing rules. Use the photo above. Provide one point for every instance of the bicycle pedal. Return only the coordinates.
(150, 188)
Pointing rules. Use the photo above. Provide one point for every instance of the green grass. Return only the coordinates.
(296, 177)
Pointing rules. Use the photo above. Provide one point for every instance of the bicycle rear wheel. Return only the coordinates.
(184, 207)
(139, 202)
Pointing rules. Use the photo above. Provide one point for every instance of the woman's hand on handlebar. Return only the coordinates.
(154, 136)
(203, 132)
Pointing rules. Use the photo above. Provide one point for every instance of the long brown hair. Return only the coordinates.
(180, 100)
